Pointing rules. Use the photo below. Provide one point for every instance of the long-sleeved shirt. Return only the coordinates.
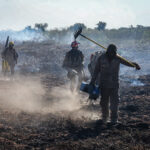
(10, 55)
(74, 59)
(108, 70)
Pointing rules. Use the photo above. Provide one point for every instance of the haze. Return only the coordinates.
(17, 14)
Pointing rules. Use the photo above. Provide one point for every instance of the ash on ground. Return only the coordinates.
(37, 110)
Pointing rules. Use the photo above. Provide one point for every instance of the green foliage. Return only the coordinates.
(101, 25)
(28, 28)
(41, 26)
(131, 34)
(76, 26)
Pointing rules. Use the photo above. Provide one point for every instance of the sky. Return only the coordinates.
(17, 14)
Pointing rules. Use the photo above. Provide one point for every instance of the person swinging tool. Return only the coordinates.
(107, 72)
(73, 63)
(9, 56)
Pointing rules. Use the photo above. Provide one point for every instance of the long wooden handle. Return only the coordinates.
(133, 65)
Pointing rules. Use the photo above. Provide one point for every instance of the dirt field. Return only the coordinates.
(78, 129)
(37, 111)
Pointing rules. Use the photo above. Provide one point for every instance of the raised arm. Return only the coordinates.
(129, 65)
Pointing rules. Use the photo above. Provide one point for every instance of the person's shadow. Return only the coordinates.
(93, 129)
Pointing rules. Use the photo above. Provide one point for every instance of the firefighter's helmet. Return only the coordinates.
(11, 44)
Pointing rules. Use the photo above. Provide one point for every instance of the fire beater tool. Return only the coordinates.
(79, 32)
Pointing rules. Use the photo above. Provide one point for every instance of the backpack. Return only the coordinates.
(73, 59)
(93, 61)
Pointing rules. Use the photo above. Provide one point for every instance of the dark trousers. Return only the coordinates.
(109, 96)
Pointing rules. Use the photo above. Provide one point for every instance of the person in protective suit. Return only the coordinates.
(73, 63)
(10, 56)
(108, 65)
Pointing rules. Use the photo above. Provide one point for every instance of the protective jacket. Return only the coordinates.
(74, 60)
(108, 70)
(10, 55)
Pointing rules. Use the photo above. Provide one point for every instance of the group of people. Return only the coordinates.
(105, 74)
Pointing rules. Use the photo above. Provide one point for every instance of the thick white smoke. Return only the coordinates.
(20, 36)
(28, 94)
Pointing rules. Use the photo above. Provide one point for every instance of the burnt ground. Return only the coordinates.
(55, 131)
(64, 130)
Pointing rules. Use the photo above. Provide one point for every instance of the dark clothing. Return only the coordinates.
(109, 71)
(74, 61)
(109, 95)
(11, 56)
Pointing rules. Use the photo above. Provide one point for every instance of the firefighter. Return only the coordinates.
(9, 56)
(73, 63)
(107, 71)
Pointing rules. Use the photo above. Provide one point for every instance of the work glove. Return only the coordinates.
(136, 66)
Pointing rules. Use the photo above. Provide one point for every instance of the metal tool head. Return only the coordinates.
(78, 32)
(7, 40)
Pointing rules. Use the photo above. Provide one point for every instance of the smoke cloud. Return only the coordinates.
(27, 94)
(22, 93)
(23, 35)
